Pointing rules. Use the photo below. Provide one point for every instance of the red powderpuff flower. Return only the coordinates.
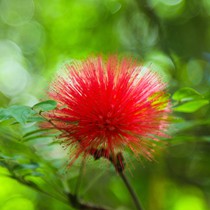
(110, 105)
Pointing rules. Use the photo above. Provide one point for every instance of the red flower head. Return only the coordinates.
(110, 105)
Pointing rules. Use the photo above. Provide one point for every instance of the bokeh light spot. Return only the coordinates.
(189, 202)
(16, 12)
(9, 50)
(168, 8)
(29, 36)
(113, 6)
(195, 72)
(18, 203)
(13, 78)
(161, 63)
(171, 2)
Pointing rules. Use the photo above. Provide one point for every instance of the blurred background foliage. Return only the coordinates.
(37, 37)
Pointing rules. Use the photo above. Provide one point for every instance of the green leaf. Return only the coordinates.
(4, 115)
(186, 94)
(45, 106)
(27, 166)
(191, 106)
(38, 137)
(20, 113)
(46, 130)
(36, 119)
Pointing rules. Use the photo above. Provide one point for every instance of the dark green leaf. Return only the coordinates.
(35, 173)
(27, 166)
(38, 137)
(46, 130)
(45, 106)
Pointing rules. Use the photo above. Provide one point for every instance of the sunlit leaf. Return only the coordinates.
(45, 106)
(186, 94)
(191, 106)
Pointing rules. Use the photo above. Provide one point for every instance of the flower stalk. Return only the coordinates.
(119, 164)
(131, 191)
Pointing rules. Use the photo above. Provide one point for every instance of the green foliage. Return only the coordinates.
(25, 114)
(36, 38)
(20, 113)
(38, 133)
(45, 106)
(190, 100)
(186, 94)
(191, 106)
(28, 168)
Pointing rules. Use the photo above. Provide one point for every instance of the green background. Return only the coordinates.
(170, 36)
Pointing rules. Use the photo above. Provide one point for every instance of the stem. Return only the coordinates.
(75, 203)
(119, 164)
(131, 191)
(79, 180)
